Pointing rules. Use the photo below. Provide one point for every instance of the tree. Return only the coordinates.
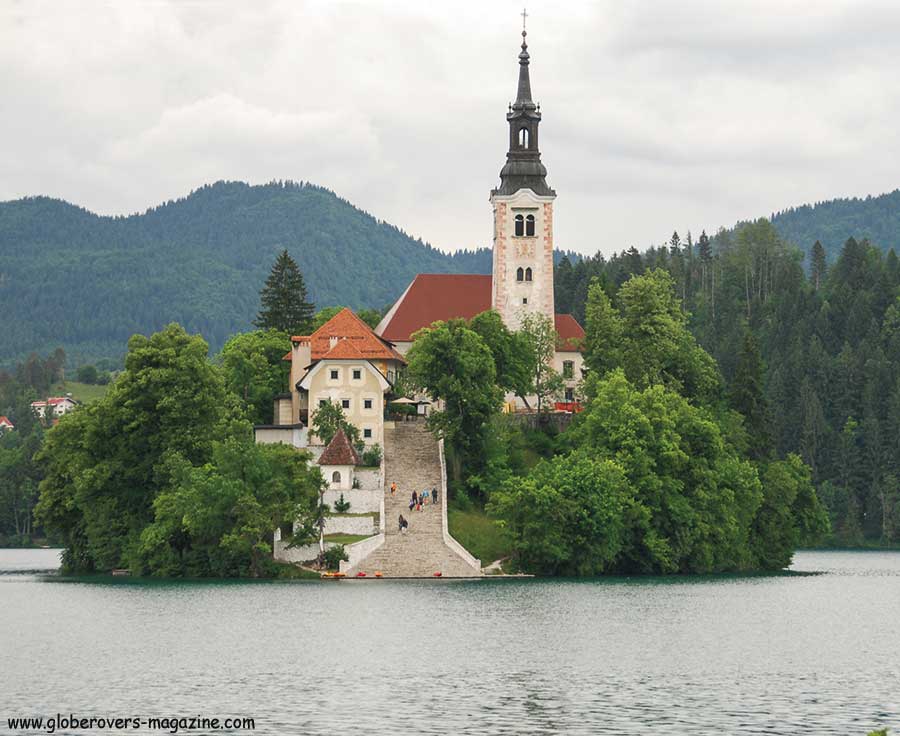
(87, 374)
(603, 331)
(657, 347)
(451, 362)
(106, 462)
(328, 418)
(283, 302)
(747, 396)
(541, 338)
(217, 519)
(513, 356)
(254, 369)
(818, 265)
(567, 517)
(694, 497)
(790, 514)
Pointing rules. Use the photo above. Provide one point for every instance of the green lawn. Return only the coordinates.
(345, 538)
(83, 392)
(478, 534)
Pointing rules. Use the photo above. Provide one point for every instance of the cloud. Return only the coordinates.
(657, 115)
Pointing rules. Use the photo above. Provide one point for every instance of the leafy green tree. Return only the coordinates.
(452, 363)
(370, 316)
(217, 519)
(328, 418)
(567, 517)
(694, 496)
(790, 515)
(283, 302)
(540, 336)
(603, 331)
(87, 374)
(254, 369)
(106, 463)
(513, 356)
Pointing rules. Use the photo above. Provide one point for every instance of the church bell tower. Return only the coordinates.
(523, 215)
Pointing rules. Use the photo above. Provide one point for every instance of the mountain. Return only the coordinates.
(72, 278)
(832, 222)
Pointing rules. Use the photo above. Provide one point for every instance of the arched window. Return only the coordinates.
(520, 274)
(528, 274)
(529, 225)
(523, 138)
(520, 225)
(336, 477)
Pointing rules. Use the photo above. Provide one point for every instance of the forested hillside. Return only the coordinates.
(73, 279)
(876, 219)
(812, 362)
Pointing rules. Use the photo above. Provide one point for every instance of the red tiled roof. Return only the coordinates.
(53, 401)
(570, 333)
(339, 451)
(4, 422)
(344, 350)
(349, 328)
(433, 297)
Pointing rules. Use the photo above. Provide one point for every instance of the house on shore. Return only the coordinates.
(344, 362)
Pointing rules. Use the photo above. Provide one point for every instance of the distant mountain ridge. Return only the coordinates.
(832, 222)
(87, 282)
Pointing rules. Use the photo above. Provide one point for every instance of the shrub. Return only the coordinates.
(341, 506)
(334, 556)
(372, 457)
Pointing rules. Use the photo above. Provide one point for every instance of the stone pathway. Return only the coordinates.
(412, 460)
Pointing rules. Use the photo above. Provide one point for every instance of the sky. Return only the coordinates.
(657, 116)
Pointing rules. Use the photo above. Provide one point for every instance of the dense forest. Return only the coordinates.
(822, 342)
(69, 277)
(876, 219)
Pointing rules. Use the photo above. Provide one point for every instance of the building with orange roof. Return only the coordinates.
(344, 362)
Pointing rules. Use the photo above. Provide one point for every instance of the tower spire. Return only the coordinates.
(523, 94)
(523, 169)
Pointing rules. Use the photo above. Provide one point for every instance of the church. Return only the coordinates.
(521, 279)
(348, 363)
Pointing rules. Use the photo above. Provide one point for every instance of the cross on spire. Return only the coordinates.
(524, 17)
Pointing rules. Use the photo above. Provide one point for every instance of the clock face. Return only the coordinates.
(525, 248)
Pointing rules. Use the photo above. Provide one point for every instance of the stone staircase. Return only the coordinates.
(412, 461)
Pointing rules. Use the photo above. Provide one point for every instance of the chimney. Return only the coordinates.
(332, 341)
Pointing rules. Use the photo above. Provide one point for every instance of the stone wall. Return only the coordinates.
(341, 524)
(361, 502)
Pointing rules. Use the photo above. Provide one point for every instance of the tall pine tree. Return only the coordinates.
(748, 398)
(283, 301)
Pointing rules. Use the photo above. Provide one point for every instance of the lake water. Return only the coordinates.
(793, 654)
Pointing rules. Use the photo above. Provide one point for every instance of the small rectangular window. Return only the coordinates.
(568, 369)
(570, 395)
(524, 300)
(322, 402)
(357, 374)
(334, 374)
(345, 403)
(367, 403)
(367, 433)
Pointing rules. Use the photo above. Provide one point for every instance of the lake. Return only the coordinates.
(789, 654)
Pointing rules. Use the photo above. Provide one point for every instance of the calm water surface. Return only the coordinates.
(816, 654)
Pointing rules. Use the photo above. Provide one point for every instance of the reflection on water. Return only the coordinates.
(790, 654)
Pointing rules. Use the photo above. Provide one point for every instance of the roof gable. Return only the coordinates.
(570, 334)
(433, 297)
(339, 451)
(346, 327)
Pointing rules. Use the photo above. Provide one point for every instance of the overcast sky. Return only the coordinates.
(657, 115)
